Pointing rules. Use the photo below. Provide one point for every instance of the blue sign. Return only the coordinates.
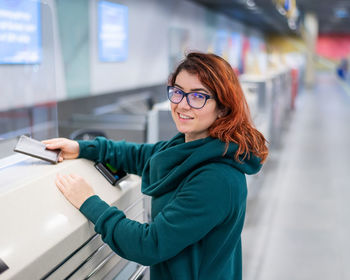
(112, 31)
(20, 32)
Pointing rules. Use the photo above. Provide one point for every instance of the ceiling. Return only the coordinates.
(333, 15)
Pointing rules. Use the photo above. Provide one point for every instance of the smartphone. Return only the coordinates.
(35, 148)
(112, 175)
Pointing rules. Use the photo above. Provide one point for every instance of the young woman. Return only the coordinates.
(196, 179)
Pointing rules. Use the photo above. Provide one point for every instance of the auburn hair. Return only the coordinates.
(236, 125)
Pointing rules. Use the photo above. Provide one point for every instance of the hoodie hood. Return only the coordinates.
(176, 159)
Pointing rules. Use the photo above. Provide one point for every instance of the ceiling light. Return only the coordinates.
(292, 25)
(250, 3)
(281, 10)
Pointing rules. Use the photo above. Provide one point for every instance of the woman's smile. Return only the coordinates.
(184, 117)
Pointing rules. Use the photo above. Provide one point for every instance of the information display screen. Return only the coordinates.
(112, 31)
(20, 32)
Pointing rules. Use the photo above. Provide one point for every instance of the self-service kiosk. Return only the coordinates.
(43, 236)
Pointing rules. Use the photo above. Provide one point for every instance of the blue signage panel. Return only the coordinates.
(112, 31)
(20, 32)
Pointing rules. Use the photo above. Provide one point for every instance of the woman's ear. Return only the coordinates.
(223, 112)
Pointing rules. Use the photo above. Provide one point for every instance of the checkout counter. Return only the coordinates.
(160, 124)
(44, 237)
(269, 97)
(123, 119)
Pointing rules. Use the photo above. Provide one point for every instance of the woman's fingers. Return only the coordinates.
(62, 179)
(52, 140)
(74, 188)
(59, 183)
(48, 141)
(74, 176)
(69, 148)
(56, 145)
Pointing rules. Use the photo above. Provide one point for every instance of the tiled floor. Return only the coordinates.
(298, 214)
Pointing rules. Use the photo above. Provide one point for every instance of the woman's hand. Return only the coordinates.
(74, 188)
(69, 148)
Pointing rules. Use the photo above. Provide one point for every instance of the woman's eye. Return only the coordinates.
(198, 95)
(177, 91)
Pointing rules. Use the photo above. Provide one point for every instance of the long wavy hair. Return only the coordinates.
(236, 125)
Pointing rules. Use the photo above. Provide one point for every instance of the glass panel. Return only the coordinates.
(28, 95)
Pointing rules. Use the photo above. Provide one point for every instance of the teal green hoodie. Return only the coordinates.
(198, 206)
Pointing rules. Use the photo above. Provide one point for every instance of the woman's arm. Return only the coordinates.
(202, 204)
(130, 157)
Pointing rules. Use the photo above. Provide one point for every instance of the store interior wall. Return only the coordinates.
(70, 74)
(70, 67)
(150, 28)
(154, 49)
(73, 22)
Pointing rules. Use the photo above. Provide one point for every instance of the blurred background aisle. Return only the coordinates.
(298, 225)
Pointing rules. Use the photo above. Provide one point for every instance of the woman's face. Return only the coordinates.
(194, 123)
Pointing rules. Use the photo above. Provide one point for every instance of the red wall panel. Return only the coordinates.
(333, 46)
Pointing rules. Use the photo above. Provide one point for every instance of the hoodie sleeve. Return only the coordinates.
(201, 204)
(130, 157)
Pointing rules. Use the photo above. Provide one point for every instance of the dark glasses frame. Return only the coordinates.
(185, 94)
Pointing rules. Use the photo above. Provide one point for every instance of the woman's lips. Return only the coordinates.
(184, 117)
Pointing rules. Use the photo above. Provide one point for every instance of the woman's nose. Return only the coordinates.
(184, 103)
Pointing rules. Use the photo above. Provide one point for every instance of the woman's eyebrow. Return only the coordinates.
(199, 89)
(178, 86)
(193, 89)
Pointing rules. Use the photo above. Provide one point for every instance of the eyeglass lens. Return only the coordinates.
(194, 99)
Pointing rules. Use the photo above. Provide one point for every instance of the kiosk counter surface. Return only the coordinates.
(40, 230)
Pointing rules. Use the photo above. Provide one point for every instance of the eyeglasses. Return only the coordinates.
(196, 100)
